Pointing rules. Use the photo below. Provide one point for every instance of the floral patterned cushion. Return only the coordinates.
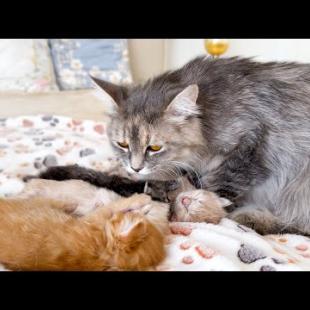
(25, 65)
(76, 59)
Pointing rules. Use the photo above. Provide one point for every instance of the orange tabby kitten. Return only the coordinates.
(36, 234)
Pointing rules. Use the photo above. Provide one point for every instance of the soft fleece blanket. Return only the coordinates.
(30, 144)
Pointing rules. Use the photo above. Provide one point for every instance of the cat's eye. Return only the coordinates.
(154, 148)
(123, 144)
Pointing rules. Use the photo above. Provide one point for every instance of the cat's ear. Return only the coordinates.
(111, 94)
(184, 104)
(224, 202)
(132, 231)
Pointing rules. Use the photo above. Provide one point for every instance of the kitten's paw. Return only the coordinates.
(65, 206)
(71, 208)
(178, 229)
(135, 202)
(145, 209)
(83, 209)
(140, 200)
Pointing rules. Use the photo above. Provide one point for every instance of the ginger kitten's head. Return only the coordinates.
(134, 242)
(155, 128)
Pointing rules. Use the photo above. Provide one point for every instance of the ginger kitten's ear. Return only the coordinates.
(132, 230)
(184, 104)
(109, 93)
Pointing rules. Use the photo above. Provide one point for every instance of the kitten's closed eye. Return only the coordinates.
(199, 206)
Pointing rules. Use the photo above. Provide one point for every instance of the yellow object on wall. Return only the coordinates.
(216, 47)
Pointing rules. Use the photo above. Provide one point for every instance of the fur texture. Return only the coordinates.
(199, 206)
(118, 184)
(241, 126)
(79, 198)
(36, 234)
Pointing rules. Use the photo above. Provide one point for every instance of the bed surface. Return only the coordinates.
(29, 144)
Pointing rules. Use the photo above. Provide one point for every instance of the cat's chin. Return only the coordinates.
(140, 177)
(146, 175)
(136, 178)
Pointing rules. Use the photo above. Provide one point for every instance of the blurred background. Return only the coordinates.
(173, 53)
(52, 75)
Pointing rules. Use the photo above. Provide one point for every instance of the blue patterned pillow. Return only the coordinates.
(75, 59)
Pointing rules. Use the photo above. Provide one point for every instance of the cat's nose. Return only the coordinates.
(186, 201)
(137, 169)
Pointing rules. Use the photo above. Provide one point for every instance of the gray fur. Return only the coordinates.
(250, 141)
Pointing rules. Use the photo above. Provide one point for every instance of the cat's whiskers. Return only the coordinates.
(161, 172)
(188, 168)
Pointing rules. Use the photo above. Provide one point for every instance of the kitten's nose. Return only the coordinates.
(186, 201)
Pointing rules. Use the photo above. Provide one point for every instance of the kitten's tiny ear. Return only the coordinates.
(109, 92)
(132, 231)
(224, 202)
(184, 104)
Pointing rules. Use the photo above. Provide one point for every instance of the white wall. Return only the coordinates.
(179, 51)
(146, 57)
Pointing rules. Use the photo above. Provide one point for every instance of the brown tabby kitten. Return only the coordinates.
(36, 234)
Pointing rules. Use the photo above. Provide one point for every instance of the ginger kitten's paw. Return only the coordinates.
(199, 206)
(86, 208)
(137, 201)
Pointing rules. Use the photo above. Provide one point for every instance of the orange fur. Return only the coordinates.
(36, 234)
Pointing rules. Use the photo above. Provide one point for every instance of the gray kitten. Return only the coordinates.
(242, 127)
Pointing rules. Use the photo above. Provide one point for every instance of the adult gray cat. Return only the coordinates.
(241, 126)
(244, 126)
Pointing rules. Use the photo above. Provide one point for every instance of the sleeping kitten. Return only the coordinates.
(36, 234)
(80, 197)
(199, 206)
(187, 203)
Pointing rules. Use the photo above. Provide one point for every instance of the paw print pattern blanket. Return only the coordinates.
(30, 144)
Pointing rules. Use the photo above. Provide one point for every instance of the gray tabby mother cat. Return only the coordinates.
(243, 126)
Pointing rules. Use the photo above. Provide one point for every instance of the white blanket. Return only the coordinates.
(30, 144)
